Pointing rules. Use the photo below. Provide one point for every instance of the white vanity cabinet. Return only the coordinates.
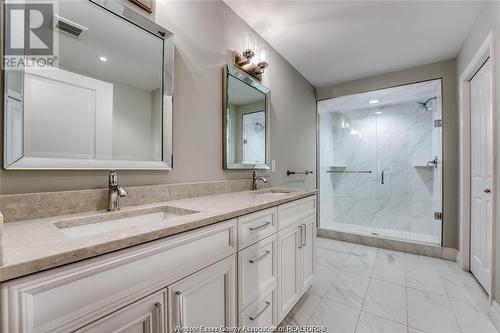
(295, 252)
(70, 297)
(289, 253)
(147, 315)
(307, 252)
(248, 271)
(278, 267)
(206, 298)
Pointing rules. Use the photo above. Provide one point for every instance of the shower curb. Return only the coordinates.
(423, 249)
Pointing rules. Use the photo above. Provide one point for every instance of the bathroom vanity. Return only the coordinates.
(233, 259)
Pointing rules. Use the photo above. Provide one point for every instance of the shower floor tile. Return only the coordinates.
(396, 234)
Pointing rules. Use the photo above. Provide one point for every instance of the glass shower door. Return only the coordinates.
(380, 166)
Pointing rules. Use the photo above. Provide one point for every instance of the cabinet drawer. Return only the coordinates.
(256, 226)
(257, 270)
(69, 297)
(261, 313)
(295, 211)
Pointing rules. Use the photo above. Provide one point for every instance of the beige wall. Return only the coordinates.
(488, 20)
(447, 71)
(206, 32)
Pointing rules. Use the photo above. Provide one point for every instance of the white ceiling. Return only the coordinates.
(390, 96)
(134, 56)
(338, 41)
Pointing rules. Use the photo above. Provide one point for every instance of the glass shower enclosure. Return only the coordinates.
(380, 163)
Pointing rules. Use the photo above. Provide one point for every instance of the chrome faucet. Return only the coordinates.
(255, 179)
(115, 192)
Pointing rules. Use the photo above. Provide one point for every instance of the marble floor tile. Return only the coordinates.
(305, 308)
(390, 267)
(471, 319)
(332, 259)
(430, 312)
(323, 243)
(339, 246)
(348, 289)
(396, 292)
(456, 288)
(360, 263)
(424, 277)
(337, 318)
(319, 252)
(323, 278)
(387, 300)
(414, 330)
(369, 323)
(363, 250)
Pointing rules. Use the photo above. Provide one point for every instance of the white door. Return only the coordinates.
(76, 108)
(289, 285)
(307, 264)
(144, 316)
(481, 174)
(206, 298)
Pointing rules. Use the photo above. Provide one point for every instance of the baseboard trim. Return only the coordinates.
(429, 250)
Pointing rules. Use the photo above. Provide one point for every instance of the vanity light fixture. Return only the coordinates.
(103, 58)
(244, 62)
(374, 101)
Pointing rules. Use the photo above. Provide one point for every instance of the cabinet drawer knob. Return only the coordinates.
(260, 226)
(254, 260)
(257, 315)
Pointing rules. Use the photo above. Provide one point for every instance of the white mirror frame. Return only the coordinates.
(166, 163)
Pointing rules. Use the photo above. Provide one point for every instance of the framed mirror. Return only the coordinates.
(108, 102)
(246, 124)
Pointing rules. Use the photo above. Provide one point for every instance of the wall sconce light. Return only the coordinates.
(244, 62)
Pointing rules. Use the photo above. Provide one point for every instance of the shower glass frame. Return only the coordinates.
(443, 158)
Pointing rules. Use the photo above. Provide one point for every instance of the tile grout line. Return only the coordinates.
(366, 291)
(406, 297)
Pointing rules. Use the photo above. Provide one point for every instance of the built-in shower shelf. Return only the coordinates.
(423, 166)
(338, 167)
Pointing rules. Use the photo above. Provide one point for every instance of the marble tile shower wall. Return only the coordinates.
(395, 139)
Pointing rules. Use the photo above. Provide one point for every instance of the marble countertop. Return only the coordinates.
(34, 245)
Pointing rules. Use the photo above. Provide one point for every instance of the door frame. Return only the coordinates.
(483, 53)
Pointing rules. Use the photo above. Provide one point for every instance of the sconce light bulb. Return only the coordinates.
(262, 65)
(262, 55)
(248, 54)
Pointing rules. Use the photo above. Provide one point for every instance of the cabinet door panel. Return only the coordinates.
(147, 315)
(207, 297)
(307, 264)
(288, 269)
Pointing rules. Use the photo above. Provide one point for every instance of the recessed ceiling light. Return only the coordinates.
(378, 112)
(103, 58)
(374, 101)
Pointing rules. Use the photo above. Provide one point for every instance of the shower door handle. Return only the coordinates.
(382, 178)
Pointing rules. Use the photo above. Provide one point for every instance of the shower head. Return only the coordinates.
(424, 105)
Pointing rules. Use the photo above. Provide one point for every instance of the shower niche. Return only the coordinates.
(380, 163)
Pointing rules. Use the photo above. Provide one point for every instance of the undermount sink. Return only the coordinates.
(91, 225)
(275, 192)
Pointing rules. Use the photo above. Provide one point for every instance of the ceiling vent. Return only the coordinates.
(69, 27)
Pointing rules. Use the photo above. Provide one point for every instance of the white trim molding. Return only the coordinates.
(484, 52)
